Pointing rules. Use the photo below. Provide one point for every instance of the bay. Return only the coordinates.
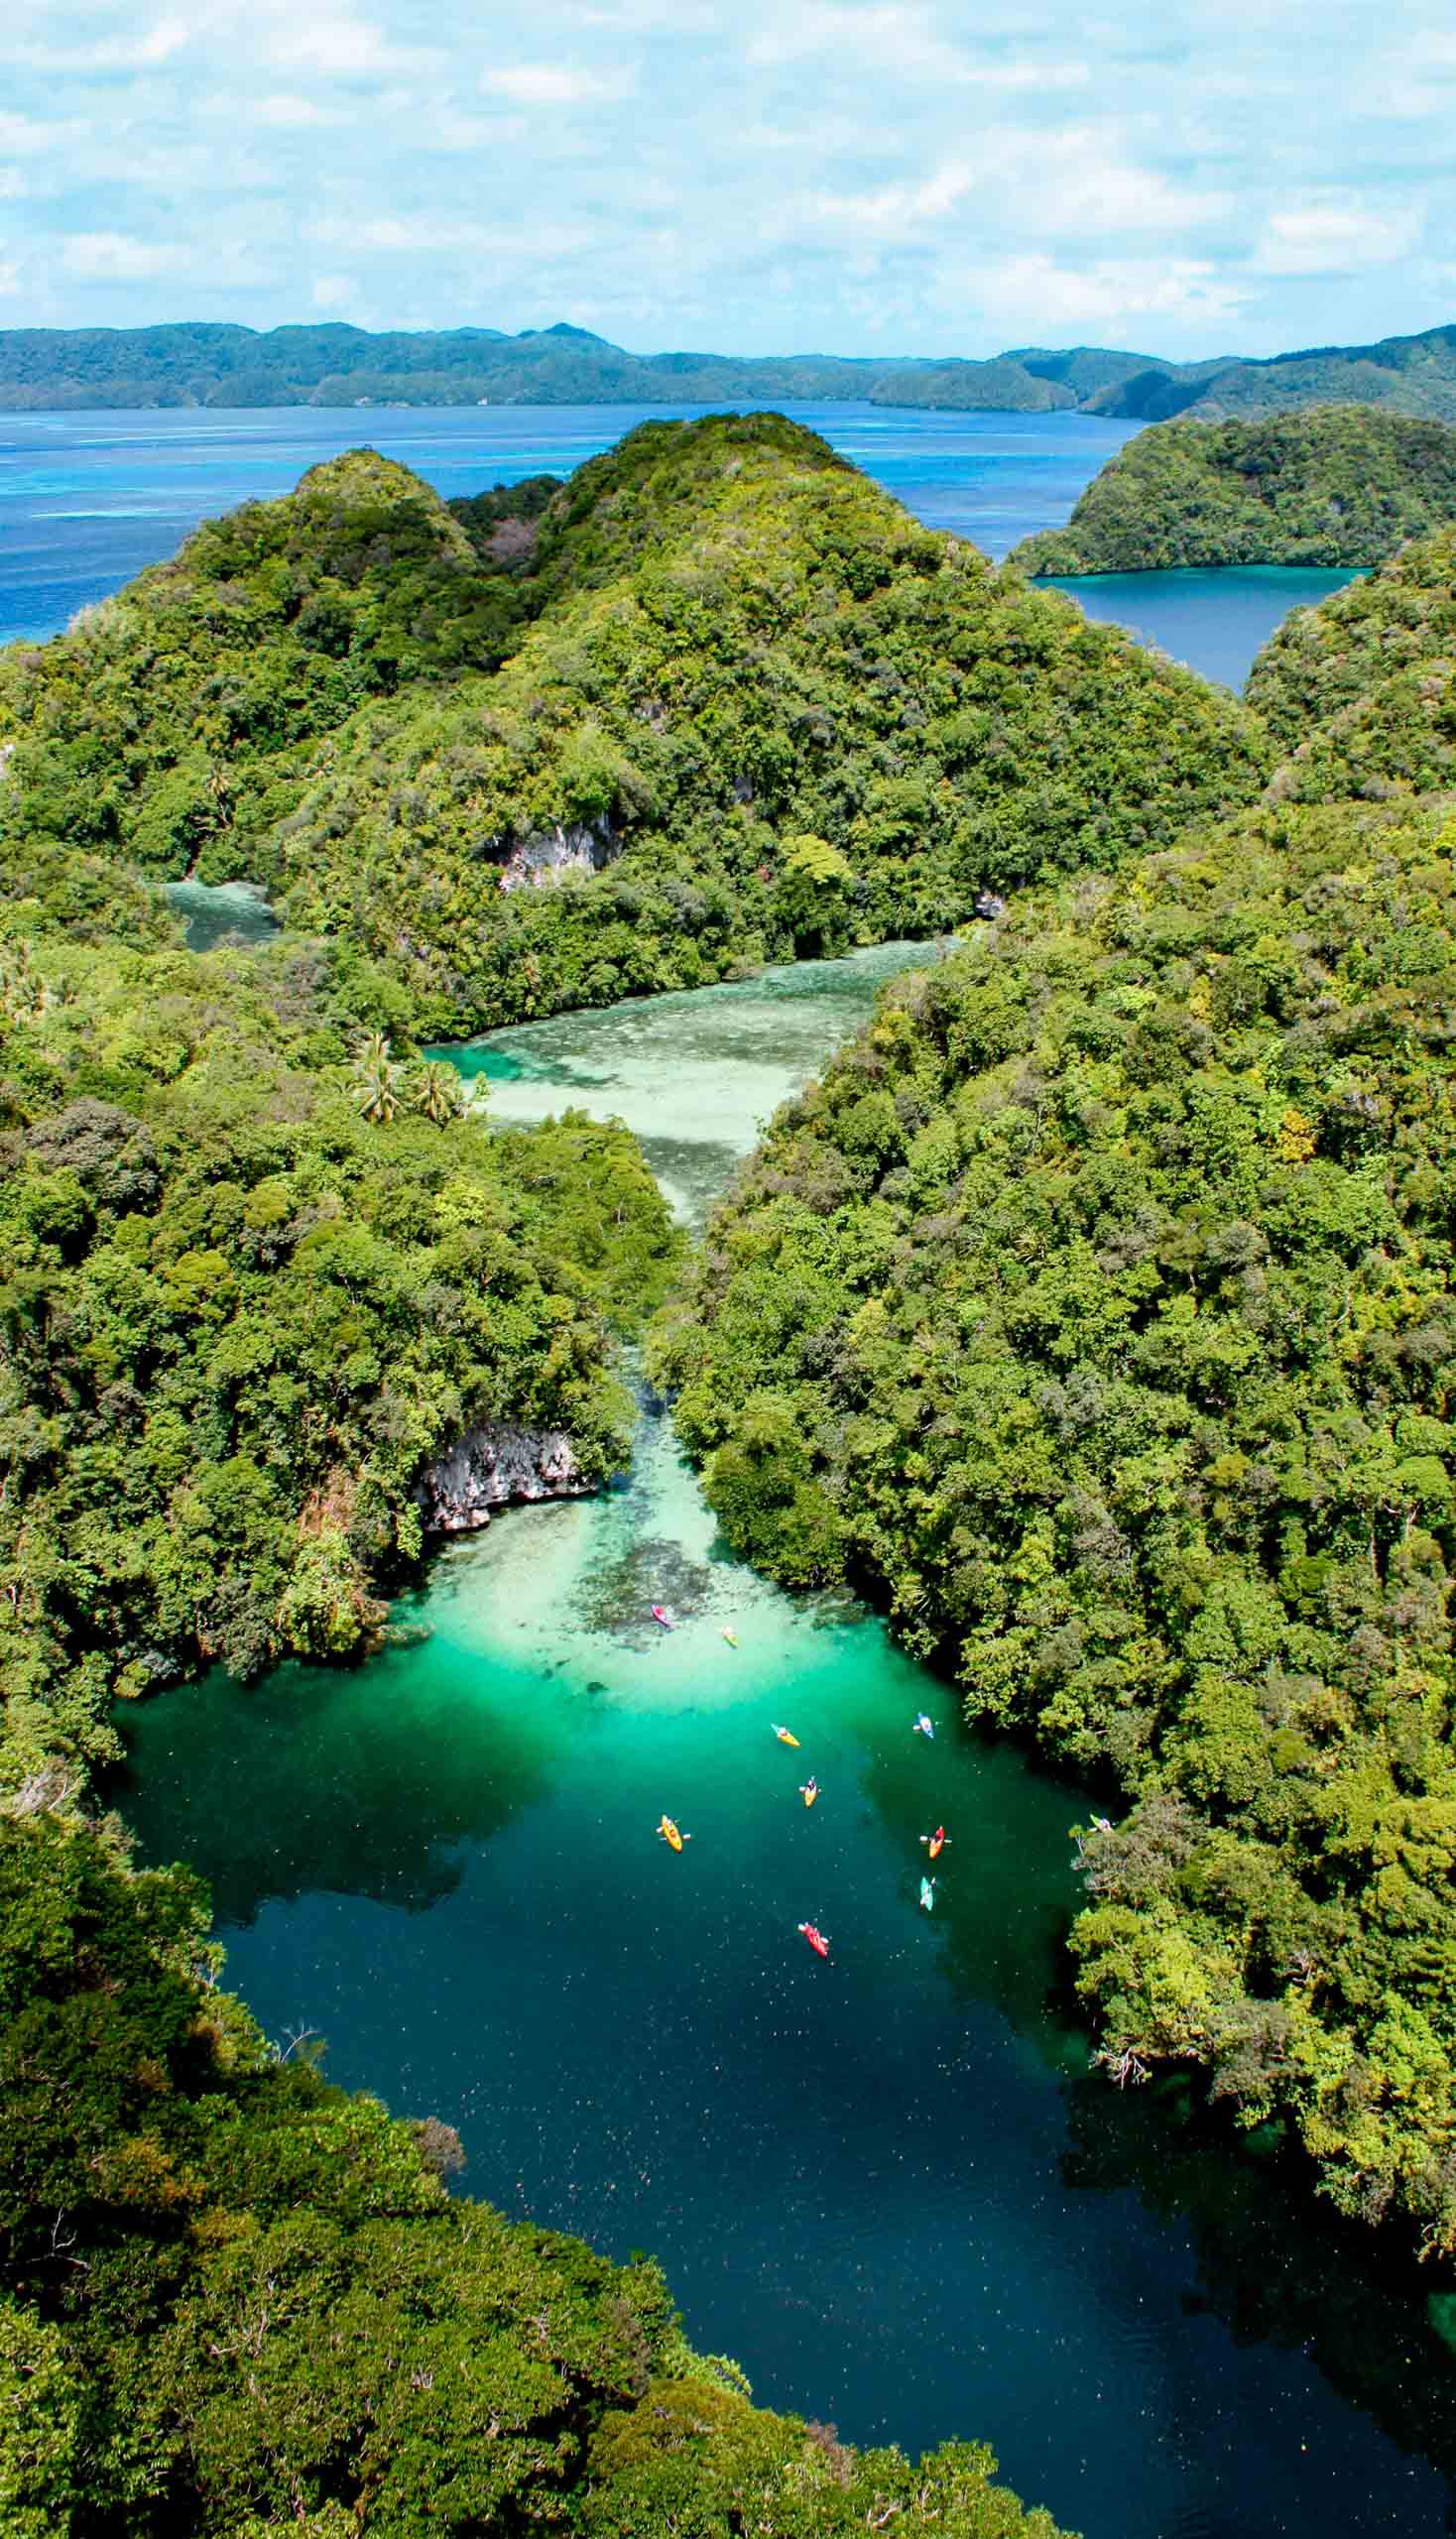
(1212, 619)
(890, 2184)
(87, 500)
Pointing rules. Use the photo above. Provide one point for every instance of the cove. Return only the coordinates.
(890, 2184)
(1213, 619)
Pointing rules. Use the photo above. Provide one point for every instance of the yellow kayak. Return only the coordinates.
(784, 1737)
(670, 1834)
(808, 1792)
(730, 1635)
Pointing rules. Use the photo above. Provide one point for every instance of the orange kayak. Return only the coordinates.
(935, 1842)
(670, 1834)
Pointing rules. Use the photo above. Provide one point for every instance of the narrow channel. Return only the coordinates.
(888, 2183)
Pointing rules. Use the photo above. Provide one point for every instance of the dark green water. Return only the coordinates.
(888, 2183)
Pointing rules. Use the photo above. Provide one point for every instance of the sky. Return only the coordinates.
(1182, 176)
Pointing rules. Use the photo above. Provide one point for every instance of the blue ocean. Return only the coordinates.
(87, 500)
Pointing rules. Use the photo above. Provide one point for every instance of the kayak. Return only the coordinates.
(815, 1938)
(784, 1736)
(924, 1727)
(660, 1614)
(927, 1894)
(808, 1792)
(730, 1635)
(670, 1834)
(935, 1842)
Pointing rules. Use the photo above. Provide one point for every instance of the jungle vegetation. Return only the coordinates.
(1358, 689)
(236, 2301)
(163, 722)
(1095, 1310)
(1333, 485)
(256, 1272)
(741, 655)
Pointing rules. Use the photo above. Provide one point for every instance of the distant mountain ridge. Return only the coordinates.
(204, 364)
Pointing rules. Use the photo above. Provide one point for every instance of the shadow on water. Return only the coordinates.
(370, 1799)
(1276, 2265)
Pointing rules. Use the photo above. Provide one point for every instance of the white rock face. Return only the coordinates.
(491, 1466)
(535, 862)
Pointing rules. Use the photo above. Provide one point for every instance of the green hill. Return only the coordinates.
(758, 709)
(258, 1273)
(1005, 387)
(1096, 1309)
(340, 365)
(1360, 690)
(1336, 485)
(161, 721)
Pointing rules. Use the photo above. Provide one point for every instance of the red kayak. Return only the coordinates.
(815, 1938)
(660, 1614)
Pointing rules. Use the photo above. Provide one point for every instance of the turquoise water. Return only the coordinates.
(890, 2183)
(1214, 621)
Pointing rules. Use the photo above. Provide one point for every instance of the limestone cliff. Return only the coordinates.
(490, 1465)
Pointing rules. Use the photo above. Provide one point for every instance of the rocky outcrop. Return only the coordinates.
(491, 1466)
(543, 858)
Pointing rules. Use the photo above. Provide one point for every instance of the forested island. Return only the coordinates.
(751, 709)
(49, 369)
(1093, 1315)
(1336, 485)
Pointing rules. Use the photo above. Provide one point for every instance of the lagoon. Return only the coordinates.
(891, 2184)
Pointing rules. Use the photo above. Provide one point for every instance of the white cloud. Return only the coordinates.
(1036, 294)
(1335, 238)
(903, 175)
(1094, 192)
(331, 291)
(36, 137)
(286, 113)
(339, 47)
(107, 255)
(557, 84)
(162, 41)
(898, 211)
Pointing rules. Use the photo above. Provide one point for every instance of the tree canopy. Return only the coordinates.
(1358, 689)
(257, 1271)
(1332, 485)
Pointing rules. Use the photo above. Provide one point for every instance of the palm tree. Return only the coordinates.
(434, 1091)
(377, 1089)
